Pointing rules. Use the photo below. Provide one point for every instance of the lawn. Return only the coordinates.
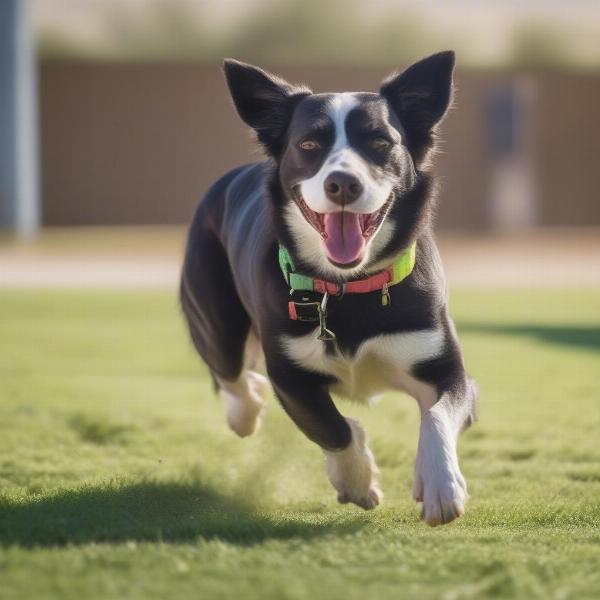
(120, 479)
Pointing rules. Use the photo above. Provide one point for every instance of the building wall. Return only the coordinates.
(140, 143)
(567, 148)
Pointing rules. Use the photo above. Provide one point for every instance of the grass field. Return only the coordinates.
(119, 478)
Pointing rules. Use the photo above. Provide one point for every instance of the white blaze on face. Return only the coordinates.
(342, 157)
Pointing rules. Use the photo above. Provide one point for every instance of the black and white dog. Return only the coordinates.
(322, 260)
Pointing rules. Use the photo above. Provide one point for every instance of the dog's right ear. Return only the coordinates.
(263, 101)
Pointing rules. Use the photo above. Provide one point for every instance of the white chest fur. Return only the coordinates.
(380, 363)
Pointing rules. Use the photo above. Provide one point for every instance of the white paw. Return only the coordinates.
(258, 384)
(244, 403)
(367, 501)
(438, 484)
(352, 471)
(442, 490)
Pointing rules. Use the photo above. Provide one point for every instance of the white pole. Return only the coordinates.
(19, 172)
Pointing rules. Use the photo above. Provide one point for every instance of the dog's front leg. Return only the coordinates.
(439, 483)
(348, 461)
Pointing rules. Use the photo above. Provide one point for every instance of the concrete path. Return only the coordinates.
(150, 258)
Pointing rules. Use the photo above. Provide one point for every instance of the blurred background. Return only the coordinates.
(118, 475)
(115, 119)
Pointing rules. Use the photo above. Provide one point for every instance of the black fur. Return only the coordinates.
(263, 101)
(420, 97)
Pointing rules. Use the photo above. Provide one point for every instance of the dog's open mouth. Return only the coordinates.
(344, 233)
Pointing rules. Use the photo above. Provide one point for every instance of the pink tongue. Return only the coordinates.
(344, 242)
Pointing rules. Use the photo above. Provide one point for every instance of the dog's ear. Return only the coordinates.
(420, 97)
(263, 101)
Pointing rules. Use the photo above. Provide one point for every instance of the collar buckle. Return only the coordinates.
(304, 306)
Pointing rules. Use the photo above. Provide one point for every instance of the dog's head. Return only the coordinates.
(347, 164)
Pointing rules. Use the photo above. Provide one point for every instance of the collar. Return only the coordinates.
(399, 270)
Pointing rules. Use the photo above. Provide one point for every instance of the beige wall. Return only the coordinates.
(140, 143)
(567, 149)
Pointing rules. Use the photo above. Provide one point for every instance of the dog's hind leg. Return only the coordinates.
(244, 398)
(220, 330)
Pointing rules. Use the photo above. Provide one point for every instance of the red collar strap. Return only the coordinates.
(359, 286)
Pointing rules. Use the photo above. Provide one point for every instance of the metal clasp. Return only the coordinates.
(325, 334)
(386, 299)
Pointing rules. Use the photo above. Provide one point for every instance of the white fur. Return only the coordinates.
(343, 157)
(438, 482)
(308, 241)
(244, 401)
(352, 471)
(339, 108)
(380, 363)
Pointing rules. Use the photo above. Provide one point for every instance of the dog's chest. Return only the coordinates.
(380, 363)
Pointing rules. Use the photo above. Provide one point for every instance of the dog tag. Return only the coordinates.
(325, 335)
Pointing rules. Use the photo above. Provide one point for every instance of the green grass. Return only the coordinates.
(119, 478)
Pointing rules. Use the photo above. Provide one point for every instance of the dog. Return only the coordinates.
(321, 262)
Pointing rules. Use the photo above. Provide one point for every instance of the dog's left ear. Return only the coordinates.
(263, 101)
(420, 96)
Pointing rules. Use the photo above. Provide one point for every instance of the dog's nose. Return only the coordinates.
(342, 188)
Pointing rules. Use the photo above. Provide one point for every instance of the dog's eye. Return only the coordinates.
(379, 144)
(308, 145)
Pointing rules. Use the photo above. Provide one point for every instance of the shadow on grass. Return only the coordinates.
(575, 336)
(152, 511)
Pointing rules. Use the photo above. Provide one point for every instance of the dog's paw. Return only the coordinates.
(352, 471)
(444, 504)
(369, 501)
(443, 494)
(258, 384)
(245, 405)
